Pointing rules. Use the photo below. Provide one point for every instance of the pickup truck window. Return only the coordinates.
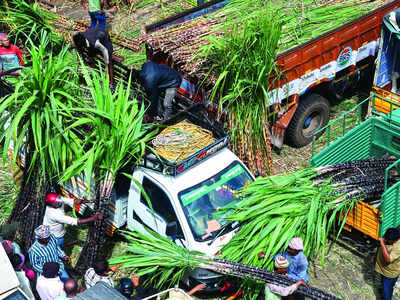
(160, 202)
(202, 201)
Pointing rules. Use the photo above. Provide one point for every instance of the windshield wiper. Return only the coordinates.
(231, 225)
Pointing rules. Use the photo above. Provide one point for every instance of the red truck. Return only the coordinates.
(315, 74)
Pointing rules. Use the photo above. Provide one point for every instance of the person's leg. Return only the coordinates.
(101, 19)
(64, 276)
(93, 20)
(60, 242)
(168, 101)
(387, 287)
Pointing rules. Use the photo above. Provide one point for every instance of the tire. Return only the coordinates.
(311, 115)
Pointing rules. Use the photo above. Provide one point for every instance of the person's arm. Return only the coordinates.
(114, 268)
(282, 290)
(285, 290)
(107, 59)
(106, 56)
(197, 288)
(385, 252)
(68, 201)
(96, 216)
(101, 5)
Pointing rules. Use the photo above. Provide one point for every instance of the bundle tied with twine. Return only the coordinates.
(179, 141)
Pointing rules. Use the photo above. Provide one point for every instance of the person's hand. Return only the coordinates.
(115, 268)
(261, 255)
(77, 201)
(301, 282)
(67, 259)
(199, 287)
(85, 5)
(135, 280)
(98, 216)
(83, 201)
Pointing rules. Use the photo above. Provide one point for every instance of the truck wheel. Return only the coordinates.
(311, 114)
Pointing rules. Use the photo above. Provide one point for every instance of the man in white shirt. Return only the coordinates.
(55, 216)
(49, 284)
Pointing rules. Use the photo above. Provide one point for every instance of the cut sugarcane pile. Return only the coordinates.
(159, 257)
(179, 141)
(301, 21)
(306, 203)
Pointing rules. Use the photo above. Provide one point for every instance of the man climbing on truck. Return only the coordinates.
(96, 41)
(156, 78)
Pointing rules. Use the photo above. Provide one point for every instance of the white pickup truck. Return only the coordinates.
(185, 196)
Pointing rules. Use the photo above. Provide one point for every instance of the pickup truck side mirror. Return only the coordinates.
(172, 229)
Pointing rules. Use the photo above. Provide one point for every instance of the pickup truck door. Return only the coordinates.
(155, 211)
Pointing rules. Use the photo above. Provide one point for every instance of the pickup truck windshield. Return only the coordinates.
(202, 202)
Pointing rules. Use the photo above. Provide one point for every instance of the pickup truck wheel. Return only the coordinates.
(311, 115)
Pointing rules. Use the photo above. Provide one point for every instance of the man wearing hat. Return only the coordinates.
(55, 216)
(49, 284)
(45, 249)
(275, 292)
(298, 263)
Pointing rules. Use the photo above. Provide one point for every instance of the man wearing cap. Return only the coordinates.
(45, 249)
(49, 284)
(275, 292)
(55, 216)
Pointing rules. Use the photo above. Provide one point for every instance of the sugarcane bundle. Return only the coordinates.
(166, 263)
(301, 21)
(179, 141)
(307, 203)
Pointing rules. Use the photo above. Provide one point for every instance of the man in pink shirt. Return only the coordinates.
(10, 55)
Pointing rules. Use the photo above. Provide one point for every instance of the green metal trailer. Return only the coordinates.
(378, 135)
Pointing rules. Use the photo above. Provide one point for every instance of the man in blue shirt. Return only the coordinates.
(155, 78)
(298, 263)
(45, 249)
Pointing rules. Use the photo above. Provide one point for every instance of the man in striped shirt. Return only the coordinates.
(45, 249)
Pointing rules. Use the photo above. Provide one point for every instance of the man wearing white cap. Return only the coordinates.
(275, 292)
(298, 263)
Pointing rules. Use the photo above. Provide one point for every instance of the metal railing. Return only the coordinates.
(331, 134)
